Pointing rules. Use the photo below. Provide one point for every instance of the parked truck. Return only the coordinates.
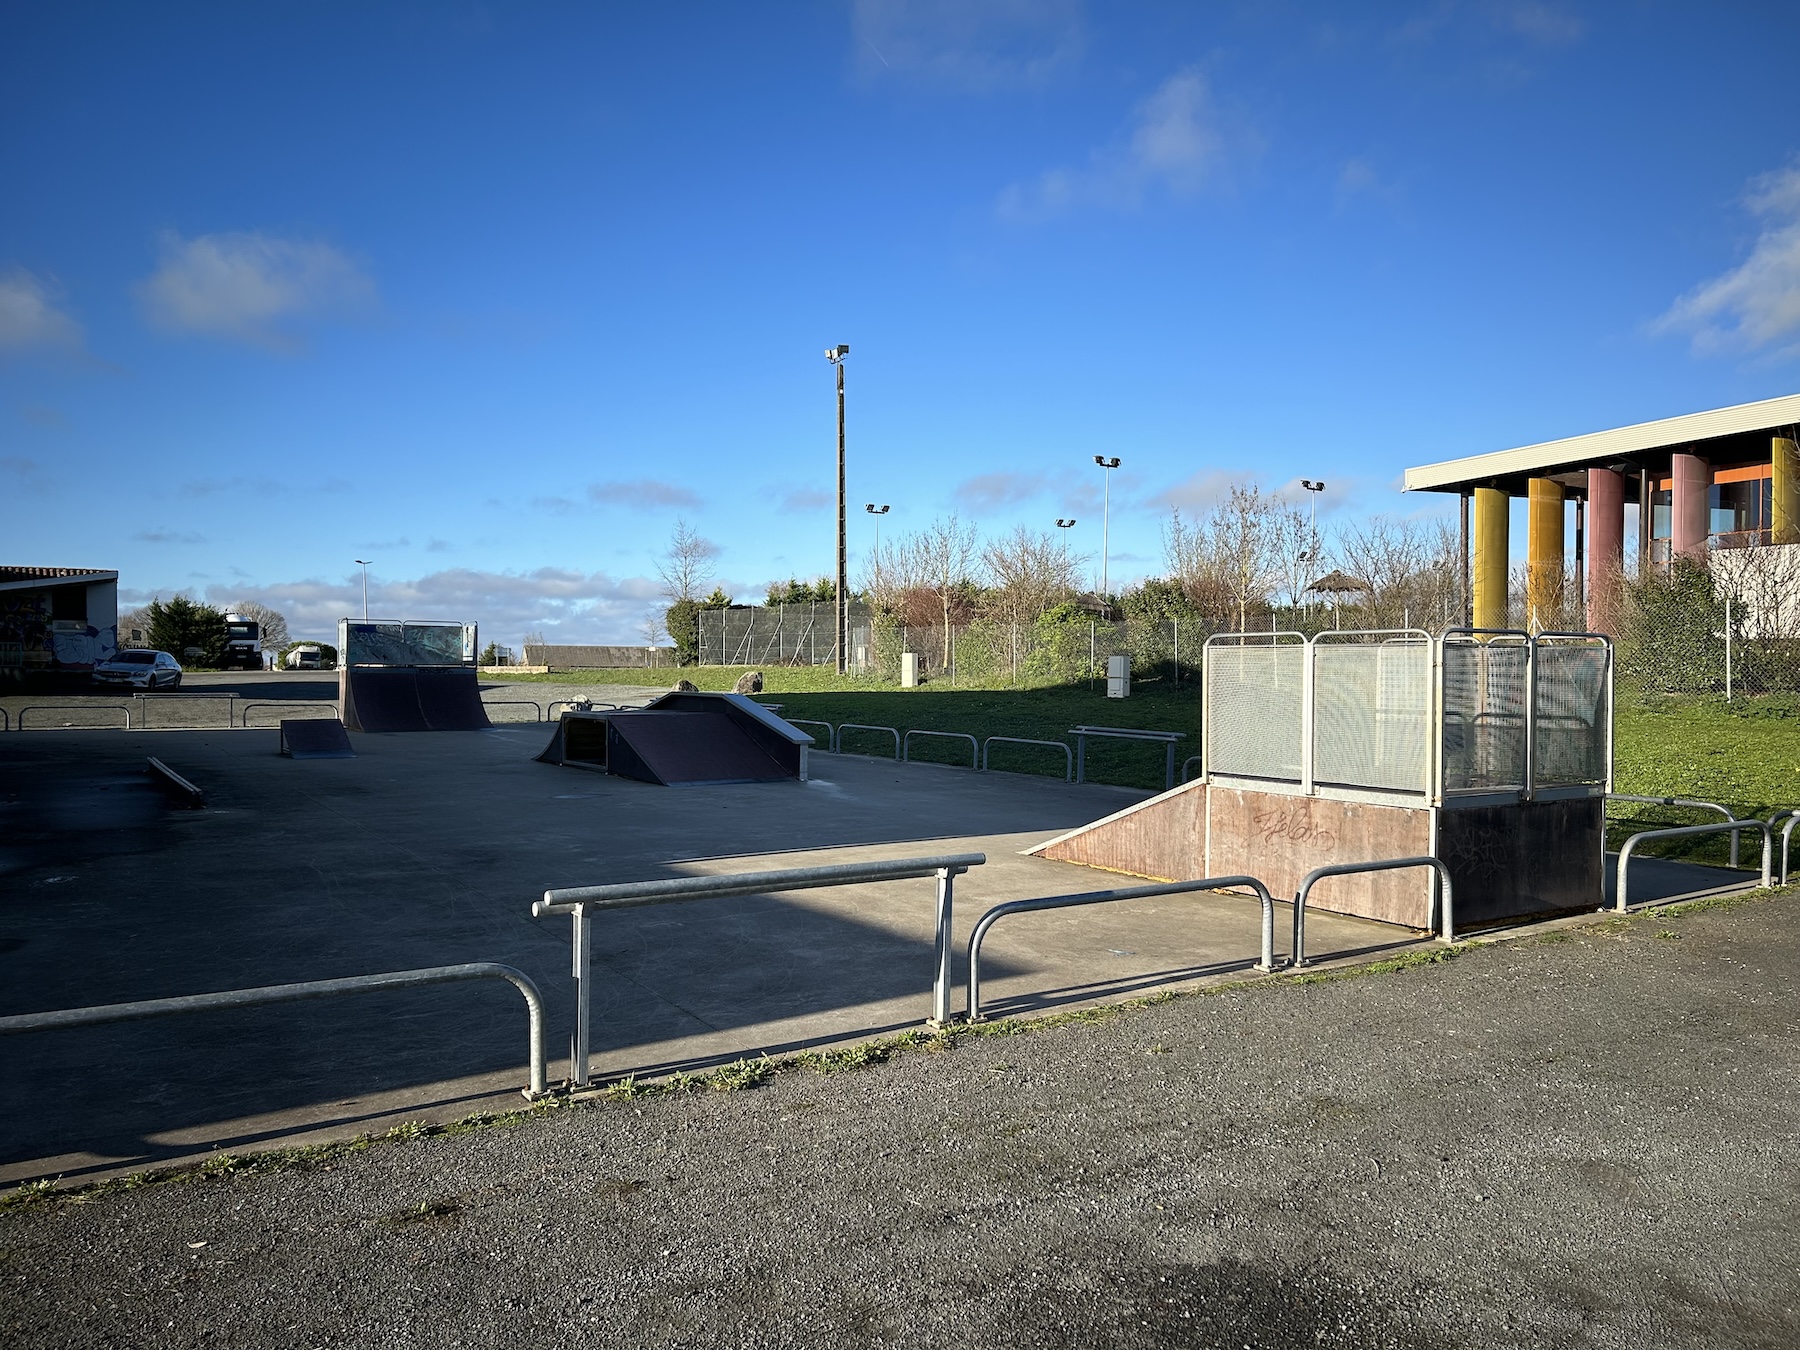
(243, 643)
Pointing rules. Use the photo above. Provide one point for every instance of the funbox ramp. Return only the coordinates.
(413, 698)
(683, 740)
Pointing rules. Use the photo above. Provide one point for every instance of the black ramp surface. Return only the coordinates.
(386, 699)
(315, 738)
(450, 699)
(680, 747)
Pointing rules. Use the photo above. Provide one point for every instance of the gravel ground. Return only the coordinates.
(1587, 1140)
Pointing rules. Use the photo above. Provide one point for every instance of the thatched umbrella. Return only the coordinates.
(1337, 585)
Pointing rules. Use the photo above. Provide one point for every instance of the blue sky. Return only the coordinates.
(492, 296)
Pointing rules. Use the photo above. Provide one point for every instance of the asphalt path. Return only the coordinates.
(1581, 1140)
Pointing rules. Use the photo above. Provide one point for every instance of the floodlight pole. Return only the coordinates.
(364, 563)
(878, 512)
(1107, 465)
(1064, 526)
(836, 356)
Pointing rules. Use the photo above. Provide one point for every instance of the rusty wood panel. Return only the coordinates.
(1280, 838)
(1163, 839)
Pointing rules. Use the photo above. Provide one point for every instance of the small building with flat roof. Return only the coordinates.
(1701, 484)
(56, 620)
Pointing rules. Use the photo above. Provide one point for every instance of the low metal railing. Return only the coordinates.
(830, 734)
(297, 705)
(1690, 802)
(291, 993)
(1443, 902)
(537, 709)
(186, 695)
(1189, 763)
(859, 726)
(581, 902)
(5, 720)
(974, 748)
(1166, 738)
(579, 704)
(998, 912)
(77, 707)
(1687, 832)
(1792, 817)
(1068, 754)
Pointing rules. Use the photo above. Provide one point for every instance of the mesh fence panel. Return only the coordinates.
(1253, 710)
(1371, 715)
(1571, 713)
(1484, 715)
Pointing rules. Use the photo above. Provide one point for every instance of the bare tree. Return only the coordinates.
(940, 560)
(687, 565)
(1029, 572)
(1412, 568)
(1242, 534)
(1298, 552)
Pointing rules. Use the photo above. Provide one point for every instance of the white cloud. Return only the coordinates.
(1541, 23)
(642, 493)
(248, 286)
(22, 474)
(1757, 304)
(565, 604)
(166, 536)
(30, 319)
(977, 45)
(1178, 144)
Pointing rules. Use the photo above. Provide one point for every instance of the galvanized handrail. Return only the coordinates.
(1167, 738)
(536, 707)
(290, 993)
(5, 720)
(1691, 802)
(578, 901)
(830, 735)
(974, 748)
(1190, 760)
(294, 703)
(1445, 905)
(76, 707)
(1068, 754)
(1792, 817)
(1267, 963)
(1688, 831)
(859, 726)
(580, 704)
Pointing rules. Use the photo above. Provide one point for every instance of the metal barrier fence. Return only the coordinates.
(537, 709)
(577, 705)
(858, 726)
(1443, 901)
(1167, 738)
(1688, 831)
(296, 704)
(974, 749)
(5, 720)
(290, 993)
(998, 912)
(830, 735)
(76, 707)
(1689, 802)
(1068, 755)
(580, 901)
(145, 699)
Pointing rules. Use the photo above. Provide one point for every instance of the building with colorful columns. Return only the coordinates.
(1708, 481)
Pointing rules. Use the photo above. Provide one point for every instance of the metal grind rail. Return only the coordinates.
(1444, 903)
(76, 707)
(1068, 754)
(292, 993)
(1688, 832)
(974, 748)
(859, 726)
(581, 902)
(296, 705)
(1167, 738)
(1689, 802)
(1001, 911)
(537, 709)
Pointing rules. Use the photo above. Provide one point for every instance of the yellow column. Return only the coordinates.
(1784, 492)
(1544, 553)
(1489, 582)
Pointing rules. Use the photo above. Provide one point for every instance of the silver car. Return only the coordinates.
(137, 669)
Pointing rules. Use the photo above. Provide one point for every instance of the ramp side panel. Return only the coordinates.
(1279, 838)
(449, 699)
(779, 739)
(315, 738)
(1163, 838)
(386, 698)
(696, 747)
(1526, 858)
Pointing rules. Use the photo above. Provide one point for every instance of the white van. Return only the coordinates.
(305, 658)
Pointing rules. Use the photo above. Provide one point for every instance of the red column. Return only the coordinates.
(1605, 547)
(1690, 513)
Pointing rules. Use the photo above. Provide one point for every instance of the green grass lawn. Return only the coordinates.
(1744, 755)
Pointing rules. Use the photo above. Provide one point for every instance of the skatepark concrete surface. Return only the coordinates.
(429, 849)
(1586, 1141)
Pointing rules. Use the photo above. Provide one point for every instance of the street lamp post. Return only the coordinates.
(364, 564)
(1065, 526)
(836, 356)
(1108, 465)
(878, 512)
(1312, 532)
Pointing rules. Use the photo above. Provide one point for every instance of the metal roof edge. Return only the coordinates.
(1668, 431)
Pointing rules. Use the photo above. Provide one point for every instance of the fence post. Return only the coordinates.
(1728, 647)
(578, 1051)
(940, 994)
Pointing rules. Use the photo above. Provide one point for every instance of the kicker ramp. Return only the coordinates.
(683, 740)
